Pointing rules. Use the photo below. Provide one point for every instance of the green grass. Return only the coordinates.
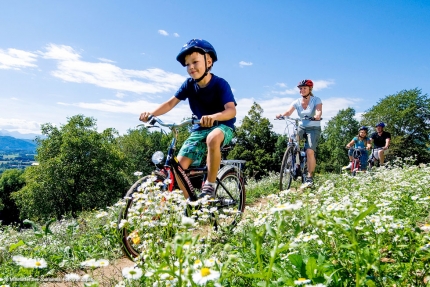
(367, 230)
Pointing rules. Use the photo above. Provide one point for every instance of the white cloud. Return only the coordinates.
(19, 125)
(322, 84)
(15, 99)
(16, 59)
(163, 32)
(176, 35)
(243, 64)
(120, 95)
(106, 60)
(282, 85)
(71, 68)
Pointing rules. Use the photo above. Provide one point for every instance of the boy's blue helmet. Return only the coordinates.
(196, 45)
(381, 124)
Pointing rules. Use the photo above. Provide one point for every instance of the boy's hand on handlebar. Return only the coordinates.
(279, 116)
(207, 121)
(144, 117)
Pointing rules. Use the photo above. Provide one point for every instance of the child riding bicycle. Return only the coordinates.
(211, 99)
(359, 141)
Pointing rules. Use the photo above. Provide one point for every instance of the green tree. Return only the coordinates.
(340, 130)
(407, 117)
(10, 181)
(256, 143)
(79, 169)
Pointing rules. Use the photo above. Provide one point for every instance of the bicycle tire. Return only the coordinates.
(354, 168)
(286, 169)
(230, 197)
(128, 247)
(304, 171)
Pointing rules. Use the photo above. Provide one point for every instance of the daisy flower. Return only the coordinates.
(302, 281)
(132, 273)
(204, 275)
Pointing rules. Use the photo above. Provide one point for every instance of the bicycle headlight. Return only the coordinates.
(157, 157)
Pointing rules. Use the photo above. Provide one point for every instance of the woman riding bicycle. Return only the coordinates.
(361, 141)
(210, 99)
(311, 106)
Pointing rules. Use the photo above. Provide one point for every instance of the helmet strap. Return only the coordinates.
(206, 70)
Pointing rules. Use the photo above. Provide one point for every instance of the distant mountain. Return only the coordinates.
(8, 143)
(19, 135)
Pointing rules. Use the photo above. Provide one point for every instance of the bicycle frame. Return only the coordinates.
(174, 170)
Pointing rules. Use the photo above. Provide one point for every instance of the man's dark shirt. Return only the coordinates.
(380, 140)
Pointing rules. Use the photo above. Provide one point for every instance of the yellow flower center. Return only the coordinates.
(302, 279)
(38, 263)
(205, 272)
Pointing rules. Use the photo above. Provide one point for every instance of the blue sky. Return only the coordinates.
(112, 60)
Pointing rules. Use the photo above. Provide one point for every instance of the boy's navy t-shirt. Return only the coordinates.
(208, 100)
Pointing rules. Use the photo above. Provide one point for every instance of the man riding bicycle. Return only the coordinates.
(381, 141)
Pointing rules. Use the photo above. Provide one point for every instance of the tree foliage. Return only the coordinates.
(407, 117)
(331, 153)
(10, 181)
(79, 169)
(256, 143)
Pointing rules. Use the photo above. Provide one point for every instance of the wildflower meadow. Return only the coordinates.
(368, 230)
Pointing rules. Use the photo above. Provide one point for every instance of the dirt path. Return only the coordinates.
(106, 276)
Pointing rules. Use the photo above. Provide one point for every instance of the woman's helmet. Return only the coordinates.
(363, 128)
(303, 83)
(196, 45)
(381, 124)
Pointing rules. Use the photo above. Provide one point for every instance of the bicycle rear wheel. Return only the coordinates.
(286, 169)
(230, 197)
(129, 232)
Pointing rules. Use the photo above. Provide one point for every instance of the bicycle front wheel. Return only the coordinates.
(286, 169)
(230, 197)
(128, 229)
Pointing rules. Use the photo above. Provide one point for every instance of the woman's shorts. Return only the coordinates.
(195, 146)
(313, 136)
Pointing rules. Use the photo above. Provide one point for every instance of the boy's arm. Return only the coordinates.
(161, 109)
(228, 113)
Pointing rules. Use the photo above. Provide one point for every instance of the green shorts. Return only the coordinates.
(195, 146)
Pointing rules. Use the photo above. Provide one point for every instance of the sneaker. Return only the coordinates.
(348, 166)
(207, 190)
(309, 182)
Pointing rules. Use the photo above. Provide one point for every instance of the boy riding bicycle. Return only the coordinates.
(359, 141)
(211, 99)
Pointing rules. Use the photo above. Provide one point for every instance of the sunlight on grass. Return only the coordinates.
(369, 230)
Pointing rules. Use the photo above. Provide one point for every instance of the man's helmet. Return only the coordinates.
(196, 45)
(303, 83)
(381, 124)
(363, 128)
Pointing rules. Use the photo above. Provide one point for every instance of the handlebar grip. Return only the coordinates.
(151, 120)
(216, 123)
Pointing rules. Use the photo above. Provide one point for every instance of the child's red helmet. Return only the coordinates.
(303, 83)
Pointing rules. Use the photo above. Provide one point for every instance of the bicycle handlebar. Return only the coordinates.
(153, 120)
(299, 119)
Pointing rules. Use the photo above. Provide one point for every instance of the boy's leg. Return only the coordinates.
(214, 142)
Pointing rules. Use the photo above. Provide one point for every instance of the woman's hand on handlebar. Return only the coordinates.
(279, 116)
